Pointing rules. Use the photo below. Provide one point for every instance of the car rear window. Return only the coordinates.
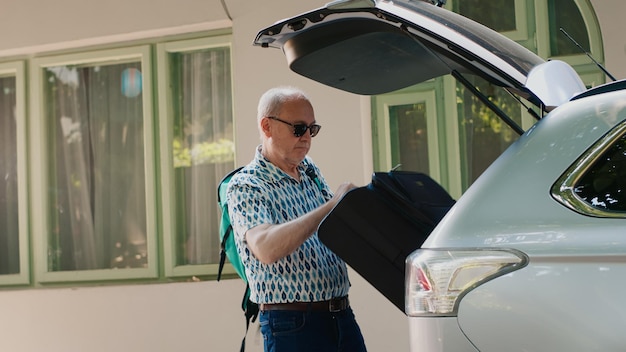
(603, 186)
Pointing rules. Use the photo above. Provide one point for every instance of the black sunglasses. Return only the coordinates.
(299, 129)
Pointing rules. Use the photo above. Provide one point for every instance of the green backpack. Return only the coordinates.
(228, 249)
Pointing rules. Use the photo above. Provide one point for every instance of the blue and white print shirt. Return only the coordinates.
(261, 193)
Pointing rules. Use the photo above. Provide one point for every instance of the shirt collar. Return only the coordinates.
(272, 172)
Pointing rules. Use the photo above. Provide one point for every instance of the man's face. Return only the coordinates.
(285, 145)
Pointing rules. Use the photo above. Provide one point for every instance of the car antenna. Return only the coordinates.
(588, 55)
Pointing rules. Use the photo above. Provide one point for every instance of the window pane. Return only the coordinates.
(484, 136)
(409, 137)
(203, 148)
(497, 15)
(604, 184)
(565, 14)
(9, 229)
(96, 165)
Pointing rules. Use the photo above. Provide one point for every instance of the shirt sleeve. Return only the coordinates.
(247, 208)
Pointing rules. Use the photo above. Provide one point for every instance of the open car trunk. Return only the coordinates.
(372, 47)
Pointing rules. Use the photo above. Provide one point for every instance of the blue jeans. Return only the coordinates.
(315, 331)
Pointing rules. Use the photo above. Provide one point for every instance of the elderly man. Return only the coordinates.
(276, 204)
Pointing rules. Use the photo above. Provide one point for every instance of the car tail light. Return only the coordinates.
(436, 279)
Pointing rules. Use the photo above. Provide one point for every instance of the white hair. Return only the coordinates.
(271, 102)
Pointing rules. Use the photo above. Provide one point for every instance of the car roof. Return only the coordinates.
(373, 47)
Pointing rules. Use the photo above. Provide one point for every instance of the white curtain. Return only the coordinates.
(9, 224)
(96, 169)
(203, 126)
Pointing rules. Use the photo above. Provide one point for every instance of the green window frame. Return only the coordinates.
(197, 150)
(48, 105)
(388, 139)
(73, 119)
(14, 72)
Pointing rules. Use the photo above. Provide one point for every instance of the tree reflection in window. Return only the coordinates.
(484, 136)
(604, 185)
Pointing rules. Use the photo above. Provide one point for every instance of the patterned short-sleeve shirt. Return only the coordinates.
(261, 193)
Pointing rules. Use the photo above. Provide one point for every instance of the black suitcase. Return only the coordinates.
(374, 228)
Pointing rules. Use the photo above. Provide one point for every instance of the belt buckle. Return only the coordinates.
(337, 305)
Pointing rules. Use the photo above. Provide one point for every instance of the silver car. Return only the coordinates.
(532, 256)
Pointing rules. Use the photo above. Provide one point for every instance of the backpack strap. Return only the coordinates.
(228, 233)
(251, 312)
(310, 172)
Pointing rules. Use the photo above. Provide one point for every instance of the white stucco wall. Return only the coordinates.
(610, 14)
(201, 316)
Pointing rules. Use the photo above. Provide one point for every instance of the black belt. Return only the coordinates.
(333, 305)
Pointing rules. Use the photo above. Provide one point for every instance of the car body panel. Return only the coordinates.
(438, 335)
(569, 296)
(554, 304)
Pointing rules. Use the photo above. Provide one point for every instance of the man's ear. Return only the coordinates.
(265, 126)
